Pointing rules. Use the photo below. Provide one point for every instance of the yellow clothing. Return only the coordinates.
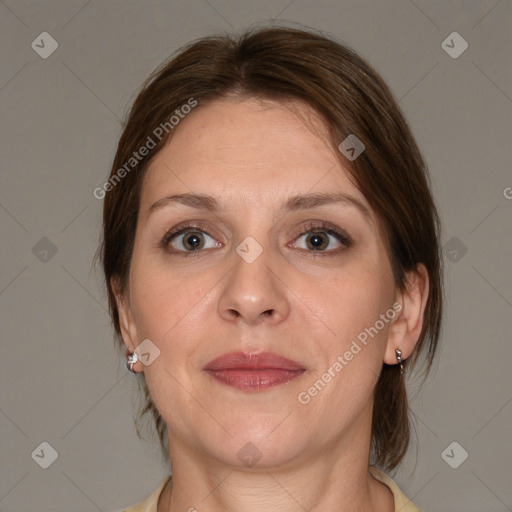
(149, 505)
(402, 504)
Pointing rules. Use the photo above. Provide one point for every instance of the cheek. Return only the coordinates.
(351, 349)
(352, 301)
(341, 386)
(164, 301)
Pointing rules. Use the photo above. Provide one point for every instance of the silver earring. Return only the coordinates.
(131, 360)
(399, 359)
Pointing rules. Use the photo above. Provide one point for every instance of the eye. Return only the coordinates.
(321, 237)
(188, 239)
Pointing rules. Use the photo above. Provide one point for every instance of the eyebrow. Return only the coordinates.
(293, 203)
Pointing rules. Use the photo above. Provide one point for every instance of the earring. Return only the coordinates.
(131, 360)
(399, 359)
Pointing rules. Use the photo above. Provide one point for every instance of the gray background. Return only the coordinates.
(61, 379)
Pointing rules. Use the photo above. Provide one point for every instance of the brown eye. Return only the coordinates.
(317, 241)
(193, 240)
(188, 239)
(323, 239)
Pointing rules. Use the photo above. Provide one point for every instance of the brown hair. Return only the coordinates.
(289, 64)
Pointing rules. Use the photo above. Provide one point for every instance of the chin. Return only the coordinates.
(256, 445)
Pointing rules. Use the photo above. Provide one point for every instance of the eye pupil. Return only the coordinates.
(196, 241)
(316, 242)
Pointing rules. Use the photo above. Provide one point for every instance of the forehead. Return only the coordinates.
(248, 132)
(254, 149)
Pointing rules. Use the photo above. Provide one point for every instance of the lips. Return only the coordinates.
(253, 372)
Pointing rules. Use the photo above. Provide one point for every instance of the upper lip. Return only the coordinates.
(259, 361)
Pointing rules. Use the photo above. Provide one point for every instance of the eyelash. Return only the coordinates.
(310, 227)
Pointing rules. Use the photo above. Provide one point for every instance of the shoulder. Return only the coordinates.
(149, 504)
(402, 503)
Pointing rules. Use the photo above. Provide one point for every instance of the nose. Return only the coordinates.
(254, 292)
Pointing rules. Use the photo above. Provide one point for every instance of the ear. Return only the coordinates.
(407, 325)
(126, 322)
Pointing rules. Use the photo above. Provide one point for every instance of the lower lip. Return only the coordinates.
(254, 380)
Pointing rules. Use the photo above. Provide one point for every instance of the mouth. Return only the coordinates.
(253, 372)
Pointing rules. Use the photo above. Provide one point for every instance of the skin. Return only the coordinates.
(252, 155)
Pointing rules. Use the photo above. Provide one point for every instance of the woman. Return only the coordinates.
(271, 254)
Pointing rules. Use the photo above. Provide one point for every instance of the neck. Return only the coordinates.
(335, 478)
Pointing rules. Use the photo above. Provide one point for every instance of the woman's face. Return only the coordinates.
(261, 273)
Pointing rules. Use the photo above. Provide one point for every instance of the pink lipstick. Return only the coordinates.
(253, 372)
